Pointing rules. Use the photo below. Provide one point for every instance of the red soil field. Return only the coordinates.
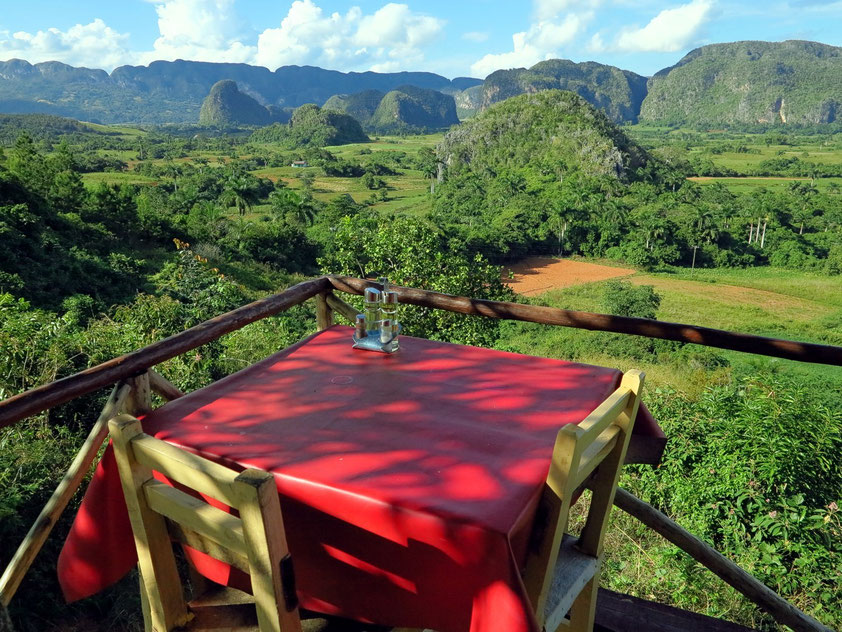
(536, 275)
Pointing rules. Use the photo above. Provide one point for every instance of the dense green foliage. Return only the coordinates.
(360, 105)
(792, 82)
(406, 109)
(618, 93)
(409, 252)
(88, 272)
(413, 109)
(313, 126)
(226, 106)
(516, 174)
(764, 487)
(41, 127)
(548, 173)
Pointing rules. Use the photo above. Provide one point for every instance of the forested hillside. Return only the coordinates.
(406, 109)
(786, 83)
(793, 83)
(550, 173)
(226, 106)
(313, 126)
(616, 92)
(172, 92)
(360, 105)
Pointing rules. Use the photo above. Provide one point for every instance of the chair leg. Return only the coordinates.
(583, 611)
(144, 604)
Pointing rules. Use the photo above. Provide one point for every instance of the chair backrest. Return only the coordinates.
(255, 542)
(590, 454)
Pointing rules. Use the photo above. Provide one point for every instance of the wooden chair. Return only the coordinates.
(254, 542)
(562, 571)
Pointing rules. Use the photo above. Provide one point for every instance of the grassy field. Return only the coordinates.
(116, 177)
(752, 184)
(764, 301)
(719, 147)
(407, 192)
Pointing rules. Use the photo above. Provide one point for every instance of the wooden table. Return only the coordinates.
(408, 482)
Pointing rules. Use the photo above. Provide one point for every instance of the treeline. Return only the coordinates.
(546, 174)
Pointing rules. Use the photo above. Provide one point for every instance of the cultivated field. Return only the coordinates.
(537, 275)
(764, 301)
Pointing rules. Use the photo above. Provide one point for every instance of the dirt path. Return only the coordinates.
(780, 305)
(536, 275)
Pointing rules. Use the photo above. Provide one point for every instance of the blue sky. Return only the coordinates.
(455, 38)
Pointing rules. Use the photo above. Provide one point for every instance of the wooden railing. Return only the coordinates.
(132, 377)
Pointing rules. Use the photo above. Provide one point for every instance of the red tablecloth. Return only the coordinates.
(408, 482)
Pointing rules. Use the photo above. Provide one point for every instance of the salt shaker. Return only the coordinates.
(372, 310)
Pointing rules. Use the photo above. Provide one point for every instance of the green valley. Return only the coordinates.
(116, 237)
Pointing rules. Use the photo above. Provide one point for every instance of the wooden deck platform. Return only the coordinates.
(616, 612)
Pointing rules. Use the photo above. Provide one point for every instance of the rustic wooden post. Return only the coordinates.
(349, 312)
(43, 525)
(266, 544)
(324, 314)
(163, 386)
(140, 399)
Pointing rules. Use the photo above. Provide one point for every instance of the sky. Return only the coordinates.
(452, 38)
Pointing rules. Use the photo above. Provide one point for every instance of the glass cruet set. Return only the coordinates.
(377, 328)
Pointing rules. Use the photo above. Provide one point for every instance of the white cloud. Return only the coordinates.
(475, 36)
(669, 31)
(596, 44)
(541, 41)
(391, 38)
(202, 30)
(94, 45)
(547, 9)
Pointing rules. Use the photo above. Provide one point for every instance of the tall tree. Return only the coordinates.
(240, 192)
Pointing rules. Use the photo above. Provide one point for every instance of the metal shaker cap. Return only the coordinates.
(360, 326)
(390, 298)
(372, 295)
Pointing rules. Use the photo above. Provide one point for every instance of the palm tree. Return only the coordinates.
(287, 203)
(705, 227)
(614, 213)
(656, 230)
(429, 166)
(172, 170)
(282, 201)
(239, 191)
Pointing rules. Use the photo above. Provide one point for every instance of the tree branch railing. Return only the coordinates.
(134, 378)
(706, 336)
(62, 391)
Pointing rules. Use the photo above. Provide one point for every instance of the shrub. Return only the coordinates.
(751, 467)
(621, 298)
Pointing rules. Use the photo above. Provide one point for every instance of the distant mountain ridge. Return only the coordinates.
(173, 91)
(792, 82)
(738, 83)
